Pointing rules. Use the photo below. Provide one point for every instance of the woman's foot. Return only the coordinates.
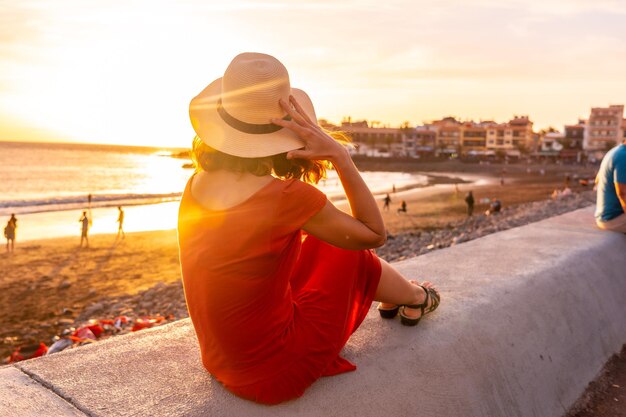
(427, 302)
(389, 311)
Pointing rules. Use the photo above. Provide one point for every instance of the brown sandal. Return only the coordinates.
(430, 293)
(387, 313)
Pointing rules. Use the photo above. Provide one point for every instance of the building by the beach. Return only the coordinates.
(447, 137)
(572, 142)
(483, 139)
(419, 142)
(450, 137)
(605, 129)
(374, 140)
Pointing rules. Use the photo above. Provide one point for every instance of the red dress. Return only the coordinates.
(272, 307)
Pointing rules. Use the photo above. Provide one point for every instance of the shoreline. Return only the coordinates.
(160, 215)
(150, 216)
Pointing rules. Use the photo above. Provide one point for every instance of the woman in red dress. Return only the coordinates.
(276, 277)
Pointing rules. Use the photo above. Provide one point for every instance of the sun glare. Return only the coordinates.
(117, 74)
(105, 81)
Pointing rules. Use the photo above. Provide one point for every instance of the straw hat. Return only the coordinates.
(233, 113)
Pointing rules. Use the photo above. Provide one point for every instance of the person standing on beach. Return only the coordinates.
(272, 307)
(469, 200)
(387, 200)
(402, 208)
(84, 221)
(9, 233)
(611, 190)
(89, 217)
(120, 221)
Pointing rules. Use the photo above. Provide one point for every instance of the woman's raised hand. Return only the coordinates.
(364, 229)
(318, 145)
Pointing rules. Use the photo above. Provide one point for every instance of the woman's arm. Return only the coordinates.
(365, 228)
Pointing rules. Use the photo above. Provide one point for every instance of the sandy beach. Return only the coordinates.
(48, 286)
(439, 205)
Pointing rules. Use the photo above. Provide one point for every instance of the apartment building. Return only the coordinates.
(374, 141)
(572, 141)
(512, 137)
(418, 142)
(575, 135)
(521, 132)
(448, 139)
(473, 138)
(551, 144)
(483, 138)
(604, 129)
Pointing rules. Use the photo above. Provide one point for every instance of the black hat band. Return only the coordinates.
(251, 128)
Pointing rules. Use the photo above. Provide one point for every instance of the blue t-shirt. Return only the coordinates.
(612, 170)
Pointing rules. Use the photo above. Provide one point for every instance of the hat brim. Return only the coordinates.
(216, 133)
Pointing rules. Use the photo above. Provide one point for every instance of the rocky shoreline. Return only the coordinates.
(406, 245)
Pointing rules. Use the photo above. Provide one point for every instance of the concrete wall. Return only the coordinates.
(528, 317)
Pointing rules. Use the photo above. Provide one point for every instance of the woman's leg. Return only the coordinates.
(394, 289)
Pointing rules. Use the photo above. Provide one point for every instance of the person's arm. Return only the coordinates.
(365, 228)
(619, 179)
(620, 189)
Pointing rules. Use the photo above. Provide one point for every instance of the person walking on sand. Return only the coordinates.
(9, 233)
(469, 200)
(276, 278)
(611, 190)
(85, 223)
(120, 221)
(402, 208)
(387, 200)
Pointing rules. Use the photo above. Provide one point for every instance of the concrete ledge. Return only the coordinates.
(20, 395)
(528, 317)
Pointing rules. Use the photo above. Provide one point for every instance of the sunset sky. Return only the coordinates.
(124, 71)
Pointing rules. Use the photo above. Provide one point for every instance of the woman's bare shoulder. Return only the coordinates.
(220, 190)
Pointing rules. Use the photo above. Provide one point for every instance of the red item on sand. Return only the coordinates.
(28, 352)
(96, 329)
(83, 333)
(271, 310)
(117, 323)
(122, 319)
(146, 322)
(141, 324)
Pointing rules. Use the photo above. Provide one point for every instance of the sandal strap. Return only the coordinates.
(430, 293)
(436, 300)
(423, 305)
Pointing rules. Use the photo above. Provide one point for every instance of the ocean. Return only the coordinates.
(47, 185)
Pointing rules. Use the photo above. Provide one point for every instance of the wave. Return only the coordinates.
(80, 202)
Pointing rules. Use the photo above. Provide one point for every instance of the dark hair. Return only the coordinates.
(206, 158)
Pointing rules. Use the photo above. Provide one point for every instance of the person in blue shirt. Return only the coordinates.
(611, 187)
